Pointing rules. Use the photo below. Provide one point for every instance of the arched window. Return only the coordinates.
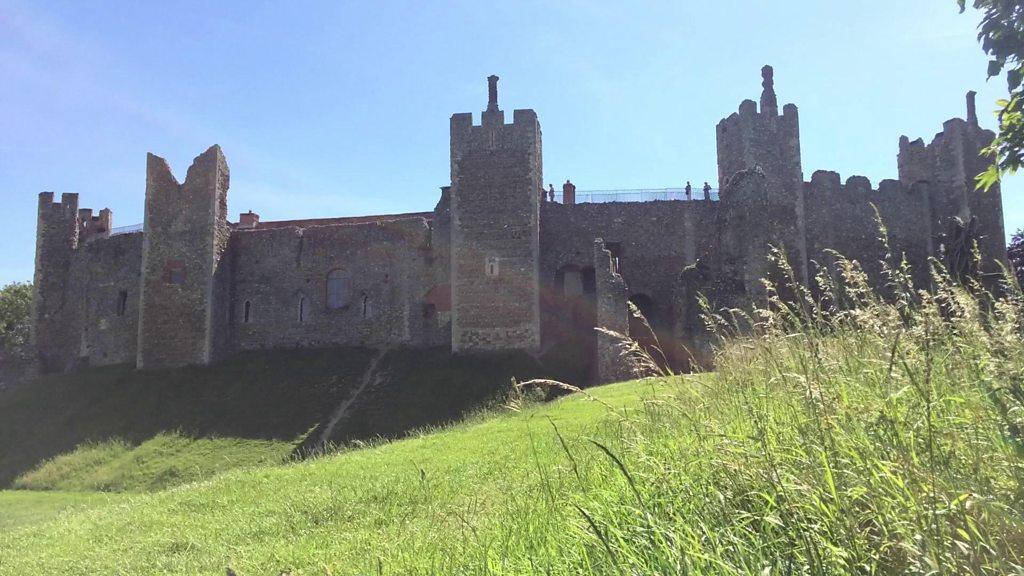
(302, 308)
(337, 289)
(247, 312)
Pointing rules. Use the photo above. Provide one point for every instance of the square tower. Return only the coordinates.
(497, 174)
(185, 235)
(761, 180)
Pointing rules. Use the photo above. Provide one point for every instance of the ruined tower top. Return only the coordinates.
(492, 93)
(972, 108)
(769, 103)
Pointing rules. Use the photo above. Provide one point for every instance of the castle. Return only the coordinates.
(497, 265)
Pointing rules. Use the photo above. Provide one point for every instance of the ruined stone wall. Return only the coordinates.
(383, 271)
(105, 276)
(612, 314)
(496, 179)
(653, 242)
(949, 164)
(55, 322)
(842, 217)
(185, 234)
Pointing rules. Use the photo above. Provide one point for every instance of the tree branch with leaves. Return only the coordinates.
(1001, 34)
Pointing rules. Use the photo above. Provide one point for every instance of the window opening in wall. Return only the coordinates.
(302, 308)
(247, 312)
(572, 281)
(367, 306)
(589, 281)
(491, 266)
(616, 249)
(122, 302)
(174, 272)
(337, 291)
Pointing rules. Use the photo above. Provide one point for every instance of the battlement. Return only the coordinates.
(751, 138)
(952, 153)
(860, 187)
(66, 209)
(94, 227)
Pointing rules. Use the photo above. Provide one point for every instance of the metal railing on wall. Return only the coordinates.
(638, 195)
(126, 229)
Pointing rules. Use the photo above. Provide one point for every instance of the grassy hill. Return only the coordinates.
(879, 437)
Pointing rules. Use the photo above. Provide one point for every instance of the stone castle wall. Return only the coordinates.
(282, 274)
(495, 242)
(105, 279)
(492, 267)
(652, 242)
(184, 237)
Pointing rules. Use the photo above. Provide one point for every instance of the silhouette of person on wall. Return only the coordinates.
(689, 191)
(707, 191)
(551, 192)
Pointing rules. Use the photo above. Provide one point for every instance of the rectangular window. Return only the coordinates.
(122, 302)
(616, 249)
(491, 266)
(174, 272)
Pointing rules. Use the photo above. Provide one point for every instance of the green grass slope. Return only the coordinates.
(340, 512)
(846, 435)
(117, 429)
(23, 508)
(161, 462)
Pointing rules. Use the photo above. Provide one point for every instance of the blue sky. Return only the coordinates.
(341, 108)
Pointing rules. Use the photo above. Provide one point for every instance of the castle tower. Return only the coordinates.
(761, 181)
(185, 234)
(53, 333)
(949, 165)
(497, 175)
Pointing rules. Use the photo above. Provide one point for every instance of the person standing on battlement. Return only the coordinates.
(689, 191)
(707, 191)
(568, 192)
(551, 192)
(543, 194)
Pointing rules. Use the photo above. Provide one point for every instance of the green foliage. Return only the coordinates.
(1001, 33)
(15, 318)
(845, 432)
(1015, 253)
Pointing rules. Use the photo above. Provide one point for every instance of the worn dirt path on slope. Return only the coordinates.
(370, 378)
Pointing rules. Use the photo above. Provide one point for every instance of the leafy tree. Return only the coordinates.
(1001, 34)
(15, 318)
(1015, 251)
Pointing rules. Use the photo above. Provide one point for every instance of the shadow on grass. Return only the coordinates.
(269, 395)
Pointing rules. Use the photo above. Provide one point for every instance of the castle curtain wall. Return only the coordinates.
(104, 284)
(380, 273)
(653, 242)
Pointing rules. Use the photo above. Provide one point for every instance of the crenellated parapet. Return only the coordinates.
(949, 164)
(844, 217)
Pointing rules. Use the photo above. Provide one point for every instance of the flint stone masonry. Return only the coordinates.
(612, 314)
(491, 267)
